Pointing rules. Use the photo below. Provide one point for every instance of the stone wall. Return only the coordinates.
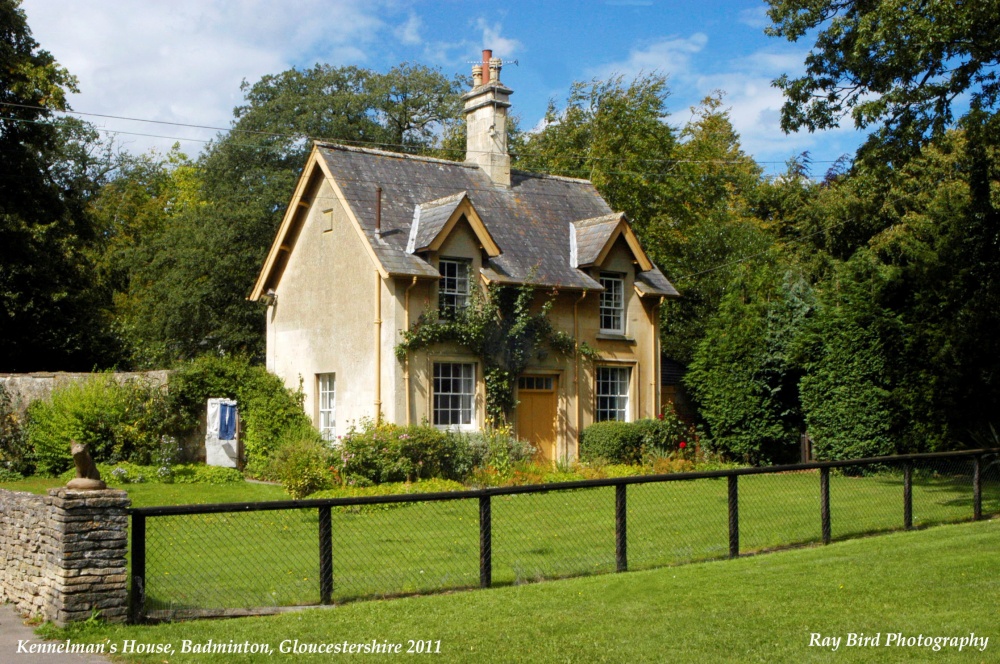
(39, 386)
(27, 387)
(64, 554)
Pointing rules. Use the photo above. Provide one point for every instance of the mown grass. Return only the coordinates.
(150, 494)
(265, 559)
(935, 582)
(261, 559)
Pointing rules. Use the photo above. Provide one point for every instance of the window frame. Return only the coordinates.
(466, 399)
(622, 399)
(460, 297)
(326, 411)
(615, 309)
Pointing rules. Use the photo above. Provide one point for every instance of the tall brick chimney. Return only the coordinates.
(486, 107)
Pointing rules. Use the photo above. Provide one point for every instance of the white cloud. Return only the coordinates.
(409, 32)
(183, 61)
(755, 17)
(755, 105)
(503, 47)
(668, 56)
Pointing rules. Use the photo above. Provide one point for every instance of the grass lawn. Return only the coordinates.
(148, 495)
(267, 559)
(935, 582)
(259, 559)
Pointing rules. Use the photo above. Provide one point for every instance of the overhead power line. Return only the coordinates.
(359, 143)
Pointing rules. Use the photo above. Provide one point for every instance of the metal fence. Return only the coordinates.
(239, 559)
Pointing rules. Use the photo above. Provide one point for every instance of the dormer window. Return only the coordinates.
(613, 303)
(453, 289)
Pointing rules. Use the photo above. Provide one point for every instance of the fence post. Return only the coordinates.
(734, 517)
(137, 599)
(908, 495)
(325, 555)
(621, 538)
(824, 503)
(485, 542)
(977, 489)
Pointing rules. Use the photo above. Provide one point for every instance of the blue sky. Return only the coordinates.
(183, 61)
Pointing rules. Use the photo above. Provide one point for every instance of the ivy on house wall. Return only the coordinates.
(498, 327)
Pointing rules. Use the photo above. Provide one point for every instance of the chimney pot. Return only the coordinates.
(486, 120)
(487, 56)
(495, 64)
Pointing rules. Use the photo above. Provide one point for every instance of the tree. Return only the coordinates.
(188, 285)
(50, 314)
(900, 65)
(706, 224)
(613, 134)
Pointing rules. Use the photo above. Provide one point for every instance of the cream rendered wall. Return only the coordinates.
(323, 318)
(639, 347)
(461, 243)
(576, 375)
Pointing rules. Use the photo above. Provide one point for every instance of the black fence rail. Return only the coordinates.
(238, 559)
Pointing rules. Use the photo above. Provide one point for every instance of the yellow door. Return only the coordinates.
(536, 414)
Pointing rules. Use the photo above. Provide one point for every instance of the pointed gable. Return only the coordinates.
(593, 239)
(544, 230)
(434, 220)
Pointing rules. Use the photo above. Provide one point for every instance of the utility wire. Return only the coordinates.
(362, 143)
(581, 173)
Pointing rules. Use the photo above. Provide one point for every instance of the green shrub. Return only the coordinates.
(7, 475)
(498, 448)
(16, 455)
(665, 433)
(129, 473)
(389, 453)
(433, 485)
(197, 473)
(268, 409)
(117, 422)
(627, 442)
(614, 442)
(304, 467)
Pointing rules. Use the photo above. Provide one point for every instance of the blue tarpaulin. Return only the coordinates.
(227, 421)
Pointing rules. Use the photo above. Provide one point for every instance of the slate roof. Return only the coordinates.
(529, 221)
(592, 234)
(429, 219)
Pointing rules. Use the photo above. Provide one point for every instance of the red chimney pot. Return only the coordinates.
(487, 54)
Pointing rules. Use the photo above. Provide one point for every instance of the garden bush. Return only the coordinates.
(498, 448)
(381, 452)
(129, 473)
(304, 467)
(117, 421)
(614, 442)
(268, 410)
(16, 456)
(628, 442)
(432, 485)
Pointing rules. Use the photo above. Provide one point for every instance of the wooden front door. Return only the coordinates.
(536, 413)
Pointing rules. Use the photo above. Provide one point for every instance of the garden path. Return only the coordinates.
(13, 630)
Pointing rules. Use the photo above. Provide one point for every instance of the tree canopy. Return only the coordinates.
(899, 66)
(50, 313)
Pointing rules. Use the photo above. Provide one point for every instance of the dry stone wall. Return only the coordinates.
(28, 387)
(64, 554)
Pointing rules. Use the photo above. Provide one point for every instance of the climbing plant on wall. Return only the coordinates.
(498, 326)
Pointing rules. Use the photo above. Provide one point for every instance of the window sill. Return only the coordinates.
(610, 336)
(459, 428)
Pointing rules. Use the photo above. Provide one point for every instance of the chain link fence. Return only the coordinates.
(239, 559)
